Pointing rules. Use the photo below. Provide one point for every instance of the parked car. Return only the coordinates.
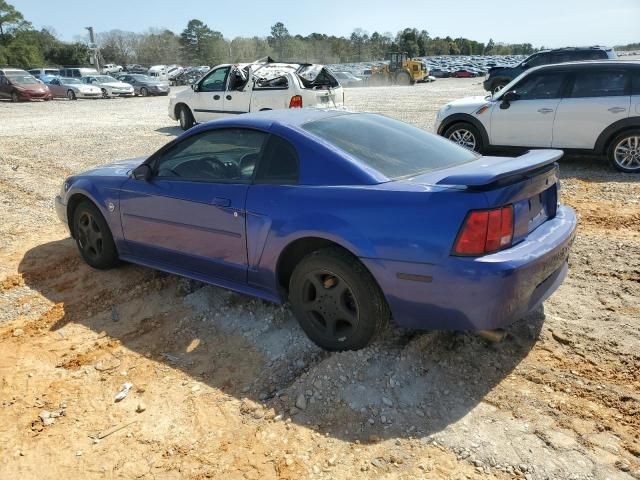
(586, 107)
(22, 86)
(109, 86)
(144, 85)
(40, 72)
(347, 79)
(464, 73)
(353, 218)
(75, 72)
(266, 85)
(71, 88)
(111, 68)
(500, 76)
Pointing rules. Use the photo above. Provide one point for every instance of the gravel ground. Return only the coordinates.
(226, 386)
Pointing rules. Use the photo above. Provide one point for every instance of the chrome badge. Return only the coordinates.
(111, 206)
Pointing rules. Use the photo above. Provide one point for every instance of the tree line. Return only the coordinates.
(22, 45)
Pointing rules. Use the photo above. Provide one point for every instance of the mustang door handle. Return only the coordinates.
(221, 202)
(228, 97)
(216, 97)
(545, 110)
(617, 109)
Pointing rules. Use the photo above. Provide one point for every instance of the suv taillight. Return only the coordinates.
(485, 231)
(296, 102)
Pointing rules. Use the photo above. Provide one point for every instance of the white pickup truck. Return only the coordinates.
(265, 85)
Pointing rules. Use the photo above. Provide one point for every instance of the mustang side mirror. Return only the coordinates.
(142, 172)
(507, 98)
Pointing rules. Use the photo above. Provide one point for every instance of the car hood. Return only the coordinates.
(117, 169)
(468, 104)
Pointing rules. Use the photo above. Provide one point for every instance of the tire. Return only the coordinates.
(465, 135)
(71, 95)
(337, 302)
(14, 97)
(185, 117)
(497, 86)
(624, 151)
(104, 93)
(403, 78)
(93, 237)
(144, 92)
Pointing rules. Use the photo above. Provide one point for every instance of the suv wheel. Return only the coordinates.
(465, 135)
(624, 151)
(498, 86)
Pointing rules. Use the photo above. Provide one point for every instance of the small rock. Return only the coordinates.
(18, 332)
(561, 338)
(623, 466)
(387, 402)
(301, 402)
(141, 407)
(79, 453)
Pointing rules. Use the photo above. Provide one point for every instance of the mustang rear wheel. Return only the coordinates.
(465, 135)
(71, 95)
(336, 300)
(624, 151)
(93, 237)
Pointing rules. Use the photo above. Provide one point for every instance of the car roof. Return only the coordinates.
(588, 64)
(573, 49)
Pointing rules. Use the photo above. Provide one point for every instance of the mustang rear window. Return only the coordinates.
(393, 148)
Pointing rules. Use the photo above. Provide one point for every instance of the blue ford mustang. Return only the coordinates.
(353, 218)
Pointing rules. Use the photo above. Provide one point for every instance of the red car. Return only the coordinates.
(464, 74)
(19, 85)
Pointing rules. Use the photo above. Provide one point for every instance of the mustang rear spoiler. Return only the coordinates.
(498, 170)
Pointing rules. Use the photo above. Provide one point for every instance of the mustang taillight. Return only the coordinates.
(296, 102)
(485, 231)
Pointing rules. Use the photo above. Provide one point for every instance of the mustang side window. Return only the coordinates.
(279, 163)
(540, 86)
(225, 155)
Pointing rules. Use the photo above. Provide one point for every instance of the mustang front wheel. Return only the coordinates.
(93, 237)
(336, 300)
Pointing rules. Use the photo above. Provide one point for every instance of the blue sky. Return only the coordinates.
(550, 23)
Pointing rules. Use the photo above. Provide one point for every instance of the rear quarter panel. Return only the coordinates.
(416, 225)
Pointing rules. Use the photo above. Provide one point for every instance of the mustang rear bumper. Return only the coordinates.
(480, 293)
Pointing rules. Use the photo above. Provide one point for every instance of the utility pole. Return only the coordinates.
(93, 48)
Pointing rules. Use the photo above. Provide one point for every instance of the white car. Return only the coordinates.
(72, 88)
(265, 85)
(582, 107)
(111, 68)
(109, 86)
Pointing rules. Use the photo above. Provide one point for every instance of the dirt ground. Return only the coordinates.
(226, 386)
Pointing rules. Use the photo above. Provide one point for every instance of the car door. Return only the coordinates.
(56, 88)
(189, 217)
(237, 98)
(209, 95)
(596, 98)
(528, 120)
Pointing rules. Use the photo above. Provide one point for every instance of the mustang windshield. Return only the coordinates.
(393, 148)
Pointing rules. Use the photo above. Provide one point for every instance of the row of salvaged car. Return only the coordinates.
(586, 107)
(18, 85)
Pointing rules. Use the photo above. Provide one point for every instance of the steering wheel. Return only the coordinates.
(217, 166)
